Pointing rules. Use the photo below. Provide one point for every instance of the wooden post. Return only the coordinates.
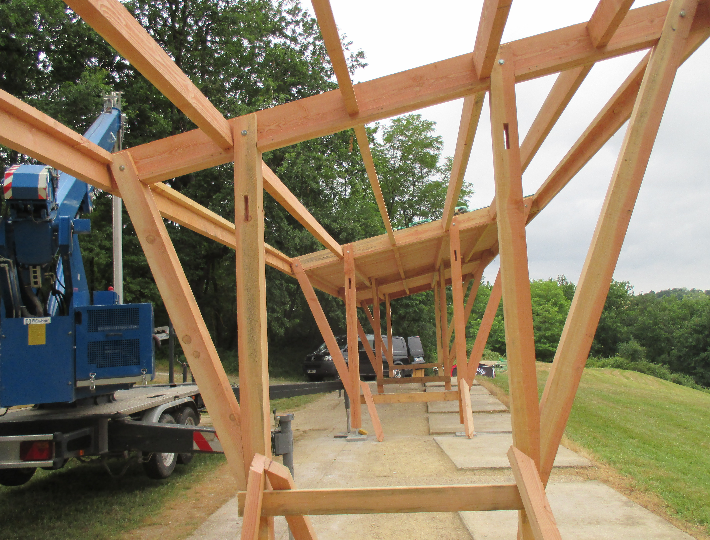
(183, 310)
(465, 405)
(351, 320)
(372, 410)
(519, 337)
(484, 330)
(457, 293)
(390, 345)
(251, 295)
(254, 498)
(444, 316)
(377, 331)
(609, 234)
(437, 321)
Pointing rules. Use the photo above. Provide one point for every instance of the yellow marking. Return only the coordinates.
(36, 334)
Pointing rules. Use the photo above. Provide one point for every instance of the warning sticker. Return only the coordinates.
(37, 320)
(37, 334)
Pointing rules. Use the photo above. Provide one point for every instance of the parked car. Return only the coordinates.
(319, 364)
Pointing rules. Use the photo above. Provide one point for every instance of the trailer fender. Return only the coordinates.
(153, 415)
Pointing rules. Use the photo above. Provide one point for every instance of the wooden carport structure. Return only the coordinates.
(451, 251)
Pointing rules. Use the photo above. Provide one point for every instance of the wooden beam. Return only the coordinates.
(118, 27)
(412, 380)
(470, 116)
(331, 39)
(253, 499)
(459, 322)
(484, 330)
(476, 280)
(537, 507)
(388, 318)
(437, 319)
(351, 321)
(281, 479)
(378, 336)
(368, 350)
(180, 303)
(519, 336)
(611, 229)
(414, 397)
(251, 292)
(364, 144)
(606, 19)
(399, 93)
(490, 31)
(325, 329)
(566, 85)
(276, 188)
(388, 500)
(373, 411)
(466, 413)
(444, 314)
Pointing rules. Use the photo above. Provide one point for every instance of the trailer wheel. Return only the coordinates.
(16, 477)
(161, 464)
(188, 417)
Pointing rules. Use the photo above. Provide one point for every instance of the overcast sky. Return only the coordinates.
(668, 241)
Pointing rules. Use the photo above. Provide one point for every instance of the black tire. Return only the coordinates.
(160, 465)
(315, 378)
(16, 477)
(397, 371)
(188, 417)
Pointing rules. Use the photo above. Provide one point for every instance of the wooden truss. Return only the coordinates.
(399, 263)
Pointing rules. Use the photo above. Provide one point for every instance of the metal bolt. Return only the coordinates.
(682, 13)
(122, 168)
(244, 132)
(501, 61)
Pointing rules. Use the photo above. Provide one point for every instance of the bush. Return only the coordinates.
(659, 371)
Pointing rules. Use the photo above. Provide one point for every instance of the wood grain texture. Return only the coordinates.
(494, 15)
(459, 322)
(367, 395)
(351, 321)
(606, 19)
(414, 397)
(281, 479)
(254, 497)
(484, 329)
(466, 413)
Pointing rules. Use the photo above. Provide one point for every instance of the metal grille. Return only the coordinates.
(114, 353)
(105, 320)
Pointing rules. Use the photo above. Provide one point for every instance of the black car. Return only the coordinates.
(319, 364)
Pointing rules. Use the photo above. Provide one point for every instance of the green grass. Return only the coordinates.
(654, 431)
(83, 502)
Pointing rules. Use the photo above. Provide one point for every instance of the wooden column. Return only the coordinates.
(437, 322)
(444, 314)
(388, 316)
(251, 296)
(377, 330)
(609, 234)
(457, 293)
(351, 321)
(484, 330)
(183, 310)
(519, 337)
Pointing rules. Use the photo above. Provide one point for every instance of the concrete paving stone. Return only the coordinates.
(479, 403)
(583, 511)
(476, 389)
(489, 451)
(482, 422)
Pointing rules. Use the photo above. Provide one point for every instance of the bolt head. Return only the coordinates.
(121, 167)
(501, 61)
(244, 132)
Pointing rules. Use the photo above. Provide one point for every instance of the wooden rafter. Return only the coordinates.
(606, 19)
(125, 34)
(490, 31)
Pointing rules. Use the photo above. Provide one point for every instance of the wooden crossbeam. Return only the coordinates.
(389, 500)
(519, 336)
(180, 303)
(606, 19)
(399, 93)
(281, 479)
(532, 491)
(414, 397)
(118, 27)
(276, 188)
(412, 380)
(609, 234)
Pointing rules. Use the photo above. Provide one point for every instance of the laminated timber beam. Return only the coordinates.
(606, 19)
(589, 298)
(324, 114)
(125, 34)
(183, 310)
(494, 15)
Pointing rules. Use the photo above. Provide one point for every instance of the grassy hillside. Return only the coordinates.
(654, 431)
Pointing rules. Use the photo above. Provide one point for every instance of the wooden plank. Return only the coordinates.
(253, 499)
(251, 292)
(351, 321)
(276, 188)
(180, 303)
(537, 506)
(399, 93)
(484, 329)
(325, 329)
(414, 397)
(118, 27)
(519, 336)
(331, 39)
(490, 31)
(606, 19)
(367, 395)
(459, 322)
(29, 131)
(470, 115)
(281, 479)
(411, 380)
(611, 229)
(388, 500)
(566, 85)
(465, 401)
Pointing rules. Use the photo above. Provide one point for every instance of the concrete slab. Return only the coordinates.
(475, 390)
(489, 451)
(583, 511)
(482, 422)
(479, 403)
